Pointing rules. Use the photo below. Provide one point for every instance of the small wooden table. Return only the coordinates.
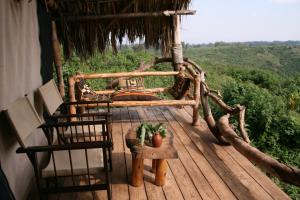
(158, 156)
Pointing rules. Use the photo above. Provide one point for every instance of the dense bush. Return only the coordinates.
(269, 123)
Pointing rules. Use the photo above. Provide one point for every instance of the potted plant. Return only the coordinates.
(152, 134)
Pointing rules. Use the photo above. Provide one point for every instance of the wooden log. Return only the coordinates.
(283, 172)
(72, 94)
(197, 80)
(195, 65)
(137, 171)
(208, 117)
(128, 15)
(191, 70)
(187, 62)
(242, 124)
(57, 61)
(161, 172)
(153, 170)
(127, 74)
(238, 109)
(145, 103)
(153, 90)
(143, 67)
(177, 56)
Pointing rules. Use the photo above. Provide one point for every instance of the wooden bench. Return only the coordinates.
(192, 100)
(158, 156)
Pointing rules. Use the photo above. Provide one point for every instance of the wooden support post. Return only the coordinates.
(153, 170)
(137, 171)
(57, 61)
(197, 80)
(176, 46)
(161, 172)
(72, 94)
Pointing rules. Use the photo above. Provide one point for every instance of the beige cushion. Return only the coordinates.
(23, 118)
(51, 96)
(63, 166)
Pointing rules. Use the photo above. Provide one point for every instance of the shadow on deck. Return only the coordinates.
(204, 170)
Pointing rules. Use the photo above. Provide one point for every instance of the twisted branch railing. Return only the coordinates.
(224, 132)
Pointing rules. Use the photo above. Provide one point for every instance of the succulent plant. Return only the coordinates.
(146, 131)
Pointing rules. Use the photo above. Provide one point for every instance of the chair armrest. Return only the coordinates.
(72, 123)
(86, 102)
(81, 115)
(62, 147)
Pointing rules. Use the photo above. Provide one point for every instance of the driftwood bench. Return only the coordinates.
(158, 156)
(192, 99)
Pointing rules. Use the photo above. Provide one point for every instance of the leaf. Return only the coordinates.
(142, 137)
(158, 126)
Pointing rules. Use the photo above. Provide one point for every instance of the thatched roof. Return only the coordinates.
(85, 35)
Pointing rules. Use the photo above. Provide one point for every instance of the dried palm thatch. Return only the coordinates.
(88, 36)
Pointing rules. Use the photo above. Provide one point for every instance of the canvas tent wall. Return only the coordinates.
(19, 75)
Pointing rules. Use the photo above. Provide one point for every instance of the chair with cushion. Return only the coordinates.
(54, 102)
(72, 167)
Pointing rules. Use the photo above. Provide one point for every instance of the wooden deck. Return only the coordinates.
(204, 170)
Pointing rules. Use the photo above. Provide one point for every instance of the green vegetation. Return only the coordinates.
(264, 78)
(146, 131)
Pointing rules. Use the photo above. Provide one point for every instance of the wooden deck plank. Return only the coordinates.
(134, 192)
(250, 188)
(211, 175)
(204, 170)
(170, 189)
(268, 185)
(200, 182)
(119, 180)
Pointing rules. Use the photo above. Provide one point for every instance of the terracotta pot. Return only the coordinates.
(156, 140)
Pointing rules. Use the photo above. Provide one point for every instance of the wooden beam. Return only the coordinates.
(145, 103)
(153, 90)
(57, 60)
(127, 74)
(129, 15)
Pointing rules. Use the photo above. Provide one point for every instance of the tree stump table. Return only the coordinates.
(158, 156)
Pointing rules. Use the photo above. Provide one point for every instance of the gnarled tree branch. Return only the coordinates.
(283, 172)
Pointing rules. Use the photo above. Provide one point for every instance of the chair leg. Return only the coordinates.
(33, 158)
(108, 192)
(110, 159)
(106, 150)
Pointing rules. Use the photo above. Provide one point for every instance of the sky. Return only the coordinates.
(242, 20)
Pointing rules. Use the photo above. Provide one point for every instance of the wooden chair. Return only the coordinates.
(53, 103)
(53, 100)
(73, 167)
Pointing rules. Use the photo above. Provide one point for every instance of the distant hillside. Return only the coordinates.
(277, 56)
